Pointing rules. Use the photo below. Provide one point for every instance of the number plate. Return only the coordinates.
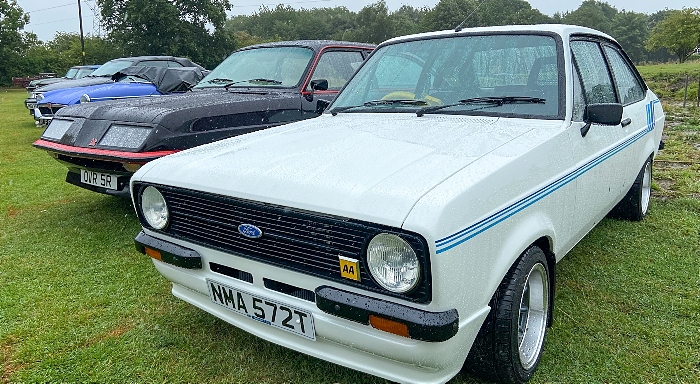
(266, 311)
(98, 179)
(31, 105)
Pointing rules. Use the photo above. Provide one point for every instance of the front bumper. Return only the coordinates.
(99, 160)
(343, 336)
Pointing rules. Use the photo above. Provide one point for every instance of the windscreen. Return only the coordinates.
(496, 74)
(261, 67)
(72, 73)
(111, 67)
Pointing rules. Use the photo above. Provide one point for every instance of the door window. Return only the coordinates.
(597, 84)
(337, 67)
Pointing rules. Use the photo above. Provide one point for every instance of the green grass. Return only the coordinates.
(668, 80)
(79, 304)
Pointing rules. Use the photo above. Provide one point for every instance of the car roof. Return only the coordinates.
(313, 44)
(563, 30)
(182, 60)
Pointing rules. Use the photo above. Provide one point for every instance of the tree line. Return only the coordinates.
(199, 29)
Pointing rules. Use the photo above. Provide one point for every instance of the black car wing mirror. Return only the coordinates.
(604, 114)
(317, 85)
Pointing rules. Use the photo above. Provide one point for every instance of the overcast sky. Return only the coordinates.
(47, 18)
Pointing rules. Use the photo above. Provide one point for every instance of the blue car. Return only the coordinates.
(131, 82)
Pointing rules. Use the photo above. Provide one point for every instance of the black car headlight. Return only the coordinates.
(154, 208)
(125, 136)
(56, 129)
(393, 263)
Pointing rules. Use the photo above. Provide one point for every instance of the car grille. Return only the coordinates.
(46, 111)
(293, 239)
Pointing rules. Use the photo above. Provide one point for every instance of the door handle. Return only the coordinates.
(626, 122)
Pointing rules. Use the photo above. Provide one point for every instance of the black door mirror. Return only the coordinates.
(319, 85)
(604, 113)
(316, 85)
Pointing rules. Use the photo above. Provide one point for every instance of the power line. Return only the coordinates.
(54, 7)
(52, 21)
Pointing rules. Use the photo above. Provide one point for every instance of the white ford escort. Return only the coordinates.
(414, 228)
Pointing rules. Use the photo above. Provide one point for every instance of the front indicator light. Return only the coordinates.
(390, 326)
(393, 263)
(154, 208)
(153, 253)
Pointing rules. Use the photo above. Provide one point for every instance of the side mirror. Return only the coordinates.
(604, 114)
(317, 85)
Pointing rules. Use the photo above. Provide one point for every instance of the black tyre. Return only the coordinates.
(635, 205)
(509, 344)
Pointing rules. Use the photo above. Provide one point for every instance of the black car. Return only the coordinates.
(103, 74)
(257, 87)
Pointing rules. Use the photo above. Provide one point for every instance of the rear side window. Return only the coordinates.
(628, 86)
(597, 84)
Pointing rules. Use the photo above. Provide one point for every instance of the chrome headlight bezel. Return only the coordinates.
(38, 97)
(393, 263)
(154, 208)
(85, 98)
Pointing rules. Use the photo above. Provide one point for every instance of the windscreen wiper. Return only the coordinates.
(374, 103)
(219, 80)
(254, 81)
(494, 101)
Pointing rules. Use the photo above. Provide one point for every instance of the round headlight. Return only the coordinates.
(154, 209)
(393, 263)
(84, 98)
(39, 97)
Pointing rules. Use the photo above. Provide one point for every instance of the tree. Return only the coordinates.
(592, 14)
(169, 27)
(12, 39)
(64, 51)
(631, 30)
(448, 14)
(679, 32)
(373, 24)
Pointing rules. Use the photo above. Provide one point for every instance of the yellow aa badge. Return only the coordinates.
(349, 268)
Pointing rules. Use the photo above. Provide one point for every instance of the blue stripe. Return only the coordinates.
(477, 228)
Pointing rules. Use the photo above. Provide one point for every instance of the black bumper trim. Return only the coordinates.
(422, 325)
(170, 253)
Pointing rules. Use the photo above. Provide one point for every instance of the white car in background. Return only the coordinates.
(414, 228)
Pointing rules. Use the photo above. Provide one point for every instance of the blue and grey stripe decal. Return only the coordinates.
(475, 229)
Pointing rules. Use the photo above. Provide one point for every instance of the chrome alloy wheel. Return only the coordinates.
(534, 307)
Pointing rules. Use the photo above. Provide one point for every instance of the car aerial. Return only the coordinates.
(413, 229)
(103, 75)
(75, 72)
(256, 87)
(130, 82)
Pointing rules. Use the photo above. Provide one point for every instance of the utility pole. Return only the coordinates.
(82, 40)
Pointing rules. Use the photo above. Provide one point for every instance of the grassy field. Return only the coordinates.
(668, 80)
(79, 304)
